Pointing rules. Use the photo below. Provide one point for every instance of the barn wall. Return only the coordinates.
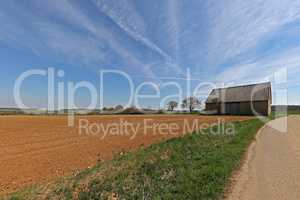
(213, 107)
(262, 107)
(240, 108)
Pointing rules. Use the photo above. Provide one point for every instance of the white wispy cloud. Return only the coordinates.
(14, 31)
(124, 14)
(263, 69)
(174, 15)
(77, 48)
(126, 17)
(94, 46)
(102, 35)
(238, 26)
(196, 31)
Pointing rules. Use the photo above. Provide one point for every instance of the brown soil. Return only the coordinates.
(36, 149)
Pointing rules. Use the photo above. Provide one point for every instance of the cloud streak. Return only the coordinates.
(100, 54)
(263, 69)
(132, 24)
(78, 38)
(237, 27)
(135, 37)
(125, 16)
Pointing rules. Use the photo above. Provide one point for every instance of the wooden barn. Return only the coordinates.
(253, 99)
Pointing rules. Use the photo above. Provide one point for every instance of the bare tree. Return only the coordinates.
(119, 108)
(191, 103)
(172, 105)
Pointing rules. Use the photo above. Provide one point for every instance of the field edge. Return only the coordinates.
(150, 164)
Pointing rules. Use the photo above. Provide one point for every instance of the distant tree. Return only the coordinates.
(108, 109)
(191, 103)
(119, 107)
(131, 111)
(111, 109)
(172, 105)
(160, 111)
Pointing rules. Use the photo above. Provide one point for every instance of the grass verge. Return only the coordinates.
(196, 166)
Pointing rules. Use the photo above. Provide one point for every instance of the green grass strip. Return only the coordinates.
(196, 166)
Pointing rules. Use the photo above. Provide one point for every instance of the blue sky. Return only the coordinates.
(224, 42)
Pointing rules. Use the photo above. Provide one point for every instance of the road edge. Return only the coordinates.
(244, 165)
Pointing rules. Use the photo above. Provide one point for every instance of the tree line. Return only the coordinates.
(190, 103)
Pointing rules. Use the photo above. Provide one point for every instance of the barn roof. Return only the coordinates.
(245, 93)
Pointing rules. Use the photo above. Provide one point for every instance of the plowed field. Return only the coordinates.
(36, 149)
